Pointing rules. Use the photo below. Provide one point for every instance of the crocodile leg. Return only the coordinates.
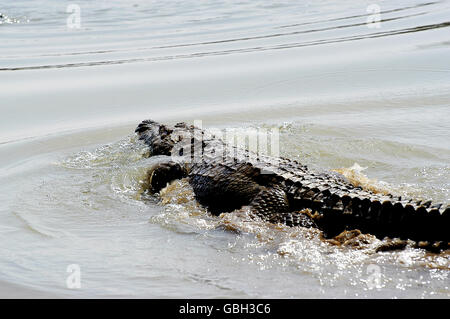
(163, 173)
(272, 204)
(220, 194)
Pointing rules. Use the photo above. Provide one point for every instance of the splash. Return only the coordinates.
(356, 176)
(4, 19)
(117, 154)
(296, 245)
(181, 209)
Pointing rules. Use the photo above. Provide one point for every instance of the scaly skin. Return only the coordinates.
(279, 190)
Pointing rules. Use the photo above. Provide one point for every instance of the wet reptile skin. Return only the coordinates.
(279, 190)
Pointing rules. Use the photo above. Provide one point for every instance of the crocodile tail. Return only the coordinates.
(381, 215)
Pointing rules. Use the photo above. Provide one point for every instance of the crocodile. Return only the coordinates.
(227, 178)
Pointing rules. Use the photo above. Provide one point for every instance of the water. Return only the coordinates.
(340, 91)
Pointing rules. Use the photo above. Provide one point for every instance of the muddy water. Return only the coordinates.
(374, 101)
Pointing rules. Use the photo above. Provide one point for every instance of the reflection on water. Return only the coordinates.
(345, 95)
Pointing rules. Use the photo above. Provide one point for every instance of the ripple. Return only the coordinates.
(233, 51)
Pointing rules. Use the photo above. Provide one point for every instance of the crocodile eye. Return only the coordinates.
(180, 152)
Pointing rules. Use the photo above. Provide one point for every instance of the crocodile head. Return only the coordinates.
(169, 140)
(157, 136)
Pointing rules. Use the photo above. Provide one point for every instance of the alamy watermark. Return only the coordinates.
(374, 277)
(242, 144)
(73, 281)
(374, 19)
(74, 19)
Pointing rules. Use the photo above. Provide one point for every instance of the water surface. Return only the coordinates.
(341, 91)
